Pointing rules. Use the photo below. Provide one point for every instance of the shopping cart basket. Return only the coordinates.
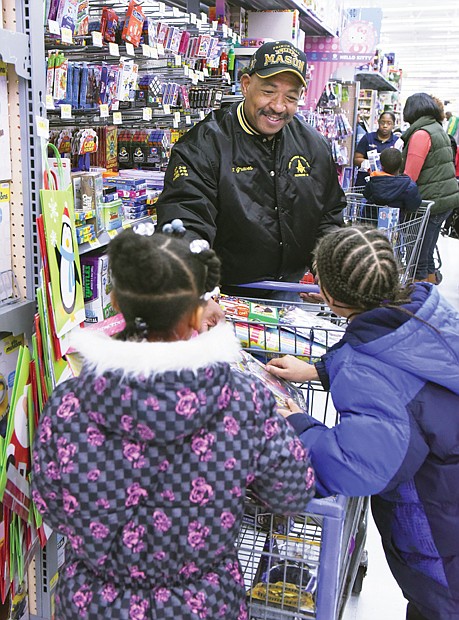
(404, 230)
(303, 566)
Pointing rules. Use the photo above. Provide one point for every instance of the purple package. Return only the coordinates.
(53, 7)
(103, 84)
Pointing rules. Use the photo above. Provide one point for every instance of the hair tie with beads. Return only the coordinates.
(141, 327)
(175, 227)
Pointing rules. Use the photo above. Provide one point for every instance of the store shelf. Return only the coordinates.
(105, 237)
(373, 81)
(17, 317)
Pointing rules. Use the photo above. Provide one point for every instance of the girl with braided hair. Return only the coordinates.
(394, 380)
(144, 460)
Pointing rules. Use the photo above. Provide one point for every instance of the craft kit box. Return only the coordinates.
(96, 287)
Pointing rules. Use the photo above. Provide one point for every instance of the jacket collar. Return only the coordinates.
(105, 354)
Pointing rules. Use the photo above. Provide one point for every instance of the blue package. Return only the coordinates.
(76, 85)
(83, 85)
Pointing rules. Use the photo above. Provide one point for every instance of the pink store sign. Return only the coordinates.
(356, 46)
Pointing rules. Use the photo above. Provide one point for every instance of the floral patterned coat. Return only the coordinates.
(143, 462)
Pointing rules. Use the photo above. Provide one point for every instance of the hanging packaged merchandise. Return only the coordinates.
(67, 14)
(82, 23)
(133, 24)
(109, 25)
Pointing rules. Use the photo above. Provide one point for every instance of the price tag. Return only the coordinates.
(186, 70)
(215, 25)
(227, 77)
(53, 27)
(230, 32)
(234, 37)
(97, 38)
(113, 49)
(117, 118)
(154, 53)
(49, 102)
(130, 49)
(162, 7)
(66, 35)
(198, 24)
(166, 108)
(147, 114)
(194, 78)
(160, 48)
(193, 18)
(177, 117)
(112, 233)
(224, 30)
(205, 72)
(174, 123)
(201, 76)
(203, 17)
(103, 110)
(239, 39)
(94, 243)
(66, 110)
(42, 126)
(146, 50)
(176, 12)
(187, 119)
(115, 105)
(177, 60)
(202, 115)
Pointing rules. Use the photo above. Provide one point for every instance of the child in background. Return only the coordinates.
(394, 379)
(390, 188)
(144, 460)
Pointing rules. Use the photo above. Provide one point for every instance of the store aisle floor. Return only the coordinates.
(381, 598)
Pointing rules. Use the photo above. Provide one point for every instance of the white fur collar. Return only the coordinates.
(149, 358)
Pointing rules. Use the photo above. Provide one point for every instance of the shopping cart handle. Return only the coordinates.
(275, 285)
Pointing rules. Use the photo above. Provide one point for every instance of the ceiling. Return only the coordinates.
(424, 35)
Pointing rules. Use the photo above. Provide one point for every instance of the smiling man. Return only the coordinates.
(253, 179)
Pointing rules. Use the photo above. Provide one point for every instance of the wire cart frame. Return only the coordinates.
(404, 230)
(304, 566)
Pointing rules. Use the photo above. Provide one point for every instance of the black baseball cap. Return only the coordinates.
(277, 57)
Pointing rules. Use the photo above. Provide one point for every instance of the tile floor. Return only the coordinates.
(381, 598)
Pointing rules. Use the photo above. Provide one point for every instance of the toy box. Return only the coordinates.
(96, 287)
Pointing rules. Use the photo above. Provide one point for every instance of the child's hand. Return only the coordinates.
(312, 298)
(292, 369)
(292, 408)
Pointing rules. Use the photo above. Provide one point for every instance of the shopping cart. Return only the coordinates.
(303, 566)
(404, 230)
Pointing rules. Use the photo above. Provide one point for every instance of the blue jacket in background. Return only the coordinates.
(394, 191)
(394, 379)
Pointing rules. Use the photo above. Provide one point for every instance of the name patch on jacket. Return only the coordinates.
(180, 171)
(238, 169)
(299, 166)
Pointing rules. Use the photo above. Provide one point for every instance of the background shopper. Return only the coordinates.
(428, 162)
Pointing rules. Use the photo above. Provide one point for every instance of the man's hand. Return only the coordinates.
(292, 408)
(213, 314)
(312, 298)
(292, 369)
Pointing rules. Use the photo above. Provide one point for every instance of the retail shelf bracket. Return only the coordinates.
(14, 49)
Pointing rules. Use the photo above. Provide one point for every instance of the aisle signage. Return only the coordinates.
(66, 110)
(113, 49)
(54, 27)
(42, 126)
(66, 35)
(97, 38)
(147, 114)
